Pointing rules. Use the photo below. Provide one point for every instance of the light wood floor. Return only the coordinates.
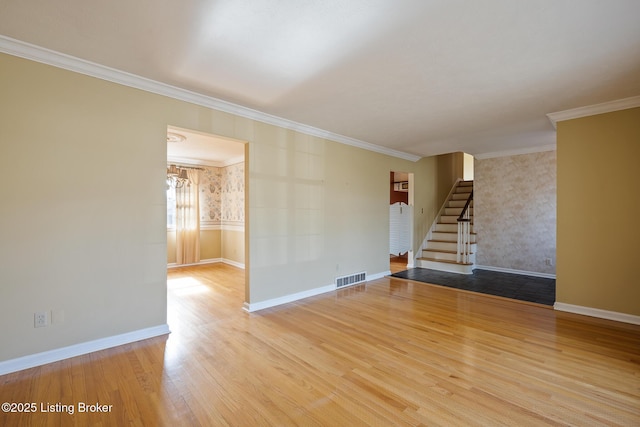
(389, 352)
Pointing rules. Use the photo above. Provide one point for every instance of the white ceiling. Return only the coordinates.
(419, 76)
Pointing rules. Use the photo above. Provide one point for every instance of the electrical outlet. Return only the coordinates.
(40, 319)
(547, 261)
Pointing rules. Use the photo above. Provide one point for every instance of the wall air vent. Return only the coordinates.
(352, 279)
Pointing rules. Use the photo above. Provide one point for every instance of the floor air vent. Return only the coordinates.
(351, 279)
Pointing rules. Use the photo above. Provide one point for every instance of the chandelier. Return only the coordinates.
(177, 176)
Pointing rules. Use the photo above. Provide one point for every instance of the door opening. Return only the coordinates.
(400, 220)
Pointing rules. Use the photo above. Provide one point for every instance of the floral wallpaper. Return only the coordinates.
(233, 193)
(515, 212)
(222, 195)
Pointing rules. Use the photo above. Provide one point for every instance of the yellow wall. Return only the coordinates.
(232, 246)
(319, 209)
(80, 239)
(210, 241)
(598, 202)
(211, 246)
(450, 168)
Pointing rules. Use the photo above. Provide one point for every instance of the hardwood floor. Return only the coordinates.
(388, 352)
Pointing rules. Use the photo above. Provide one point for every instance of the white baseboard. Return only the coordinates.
(378, 275)
(251, 307)
(596, 312)
(208, 261)
(38, 359)
(287, 298)
(512, 271)
(233, 263)
(201, 262)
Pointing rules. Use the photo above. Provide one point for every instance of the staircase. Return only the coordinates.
(440, 248)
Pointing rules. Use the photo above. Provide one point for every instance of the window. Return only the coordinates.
(171, 207)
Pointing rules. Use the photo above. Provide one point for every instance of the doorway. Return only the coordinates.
(219, 204)
(400, 220)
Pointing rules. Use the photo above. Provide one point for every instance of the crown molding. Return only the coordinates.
(516, 152)
(46, 56)
(188, 161)
(592, 110)
(233, 161)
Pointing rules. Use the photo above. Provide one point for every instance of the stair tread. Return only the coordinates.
(444, 261)
(452, 232)
(445, 241)
(443, 251)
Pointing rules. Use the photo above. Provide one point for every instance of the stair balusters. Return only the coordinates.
(464, 234)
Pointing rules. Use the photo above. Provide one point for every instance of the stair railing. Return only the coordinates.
(464, 233)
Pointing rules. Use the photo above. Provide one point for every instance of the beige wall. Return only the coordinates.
(232, 246)
(84, 228)
(80, 239)
(210, 245)
(450, 169)
(597, 205)
(319, 209)
(515, 212)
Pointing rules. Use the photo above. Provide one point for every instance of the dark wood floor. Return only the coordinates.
(388, 352)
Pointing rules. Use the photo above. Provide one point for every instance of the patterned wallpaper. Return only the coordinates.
(222, 195)
(515, 211)
(233, 193)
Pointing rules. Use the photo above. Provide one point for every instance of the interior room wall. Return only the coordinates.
(85, 241)
(597, 203)
(318, 210)
(84, 229)
(515, 212)
(450, 169)
(232, 246)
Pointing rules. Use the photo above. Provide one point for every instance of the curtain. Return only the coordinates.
(188, 220)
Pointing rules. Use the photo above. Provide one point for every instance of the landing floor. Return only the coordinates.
(524, 288)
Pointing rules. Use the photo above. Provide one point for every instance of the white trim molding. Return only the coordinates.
(187, 161)
(515, 152)
(39, 359)
(233, 263)
(46, 56)
(596, 312)
(592, 110)
(251, 307)
(209, 261)
(512, 271)
(218, 226)
(201, 262)
(378, 275)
